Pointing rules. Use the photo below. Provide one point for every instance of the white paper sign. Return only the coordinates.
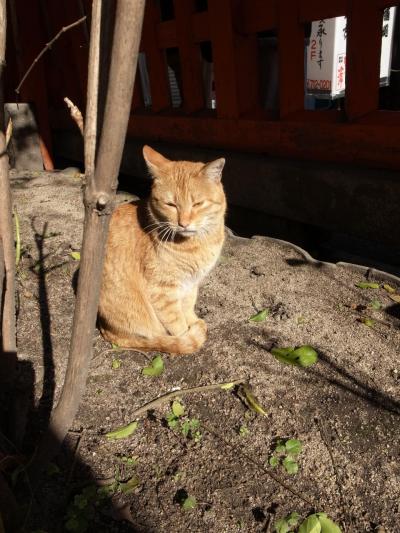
(326, 55)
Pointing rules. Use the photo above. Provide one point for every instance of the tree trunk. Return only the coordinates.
(98, 199)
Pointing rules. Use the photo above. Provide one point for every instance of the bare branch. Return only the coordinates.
(75, 114)
(93, 90)
(47, 47)
(181, 392)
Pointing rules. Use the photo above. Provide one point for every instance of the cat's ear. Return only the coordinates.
(154, 160)
(213, 170)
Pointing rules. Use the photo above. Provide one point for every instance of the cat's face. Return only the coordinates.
(187, 198)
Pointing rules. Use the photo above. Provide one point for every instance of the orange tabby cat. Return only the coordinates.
(158, 252)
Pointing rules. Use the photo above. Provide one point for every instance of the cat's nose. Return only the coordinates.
(184, 221)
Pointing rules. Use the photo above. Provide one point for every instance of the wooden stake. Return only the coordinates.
(7, 332)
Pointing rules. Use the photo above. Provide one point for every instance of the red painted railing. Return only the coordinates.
(230, 29)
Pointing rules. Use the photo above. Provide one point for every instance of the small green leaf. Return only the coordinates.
(132, 461)
(52, 469)
(389, 288)
(247, 396)
(293, 519)
(327, 525)
(197, 436)
(375, 304)
(194, 423)
(367, 285)
(280, 448)
(306, 355)
(293, 446)
(281, 526)
(76, 256)
(116, 363)
(260, 316)
(310, 525)
(177, 408)
(227, 386)
(284, 355)
(290, 466)
(189, 503)
(367, 321)
(156, 367)
(243, 431)
(303, 356)
(115, 346)
(123, 432)
(80, 501)
(273, 461)
(185, 428)
(130, 485)
(172, 420)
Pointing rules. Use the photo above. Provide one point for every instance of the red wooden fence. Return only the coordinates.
(358, 133)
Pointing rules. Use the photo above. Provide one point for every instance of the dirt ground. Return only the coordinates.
(344, 409)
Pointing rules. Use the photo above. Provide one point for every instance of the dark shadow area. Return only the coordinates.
(41, 414)
(370, 394)
(393, 310)
(303, 262)
(66, 496)
(321, 244)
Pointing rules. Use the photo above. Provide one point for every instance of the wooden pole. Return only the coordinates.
(7, 332)
(98, 199)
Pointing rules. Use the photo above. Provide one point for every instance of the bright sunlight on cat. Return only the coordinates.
(158, 252)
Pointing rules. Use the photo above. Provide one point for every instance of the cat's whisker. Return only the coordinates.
(160, 226)
(163, 236)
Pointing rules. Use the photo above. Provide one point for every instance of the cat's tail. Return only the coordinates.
(188, 343)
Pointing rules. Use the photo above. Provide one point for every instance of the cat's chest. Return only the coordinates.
(194, 272)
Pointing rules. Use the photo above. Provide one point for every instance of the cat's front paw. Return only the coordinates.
(200, 326)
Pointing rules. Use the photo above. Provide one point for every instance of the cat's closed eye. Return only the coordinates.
(198, 204)
(171, 204)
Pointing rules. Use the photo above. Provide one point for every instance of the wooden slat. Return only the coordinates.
(235, 61)
(364, 35)
(166, 34)
(201, 27)
(137, 99)
(316, 10)
(362, 144)
(387, 3)
(155, 59)
(190, 57)
(259, 15)
(32, 39)
(291, 58)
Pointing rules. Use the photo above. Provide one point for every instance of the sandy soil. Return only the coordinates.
(344, 409)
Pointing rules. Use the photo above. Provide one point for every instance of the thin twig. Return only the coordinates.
(47, 47)
(17, 239)
(9, 131)
(180, 392)
(76, 114)
(92, 90)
